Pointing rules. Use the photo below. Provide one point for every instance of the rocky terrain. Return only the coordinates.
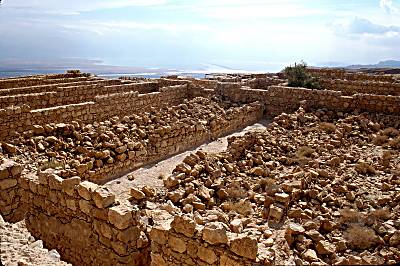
(79, 149)
(18, 247)
(315, 187)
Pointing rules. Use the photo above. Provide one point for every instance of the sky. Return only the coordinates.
(191, 34)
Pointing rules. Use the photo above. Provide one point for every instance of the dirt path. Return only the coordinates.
(150, 175)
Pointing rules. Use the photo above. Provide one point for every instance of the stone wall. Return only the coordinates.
(10, 173)
(359, 86)
(20, 119)
(181, 241)
(82, 220)
(64, 95)
(278, 99)
(41, 80)
(333, 73)
(178, 138)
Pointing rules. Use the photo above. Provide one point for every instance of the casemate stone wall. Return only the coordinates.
(57, 160)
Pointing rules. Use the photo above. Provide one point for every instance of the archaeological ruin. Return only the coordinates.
(234, 169)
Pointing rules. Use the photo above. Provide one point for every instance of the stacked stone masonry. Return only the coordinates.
(74, 119)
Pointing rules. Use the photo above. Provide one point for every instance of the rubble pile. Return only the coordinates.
(82, 149)
(317, 187)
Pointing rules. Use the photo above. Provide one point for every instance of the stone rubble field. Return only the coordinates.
(315, 188)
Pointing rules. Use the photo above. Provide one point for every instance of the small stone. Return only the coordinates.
(7, 183)
(137, 194)
(215, 233)
(184, 225)
(325, 248)
(206, 254)
(244, 246)
(68, 185)
(394, 241)
(236, 225)
(149, 191)
(310, 255)
(295, 229)
(177, 244)
(103, 198)
(120, 216)
(86, 188)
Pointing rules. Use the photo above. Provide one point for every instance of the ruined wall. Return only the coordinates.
(81, 220)
(64, 95)
(181, 137)
(182, 241)
(278, 99)
(10, 173)
(350, 76)
(41, 80)
(20, 119)
(359, 86)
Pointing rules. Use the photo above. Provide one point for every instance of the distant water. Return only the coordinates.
(8, 74)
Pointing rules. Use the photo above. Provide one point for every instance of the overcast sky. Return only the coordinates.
(245, 34)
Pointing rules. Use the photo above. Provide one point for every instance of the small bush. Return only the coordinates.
(298, 77)
(74, 71)
(328, 127)
(361, 237)
(304, 151)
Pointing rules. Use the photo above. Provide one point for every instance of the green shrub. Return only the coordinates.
(298, 77)
(74, 71)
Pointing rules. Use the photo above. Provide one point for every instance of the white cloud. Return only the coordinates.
(249, 9)
(130, 27)
(388, 6)
(76, 6)
(360, 26)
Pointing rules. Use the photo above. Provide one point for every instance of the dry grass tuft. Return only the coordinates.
(381, 214)
(327, 127)
(361, 237)
(304, 151)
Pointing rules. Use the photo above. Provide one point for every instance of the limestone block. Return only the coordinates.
(8, 183)
(184, 225)
(55, 182)
(244, 246)
(206, 254)
(68, 185)
(85, 207)
(177, 244)
(103, 198)
(120, 216)
(86, 188)
(215, 233)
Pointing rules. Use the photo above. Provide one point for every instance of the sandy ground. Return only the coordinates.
(18, 247)
(150, 175)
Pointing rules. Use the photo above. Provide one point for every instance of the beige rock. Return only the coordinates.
(184, 225)
(149, 191)
(7, 183)
(120, 216)
(55, 182)
(206, 254)
(325, 248)
(310, 255)
(215, 233)
(68, 185)
(86, 188)
(137, 194)
(103, 198)
(177, 244)
(236, 225)
(244, 246)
